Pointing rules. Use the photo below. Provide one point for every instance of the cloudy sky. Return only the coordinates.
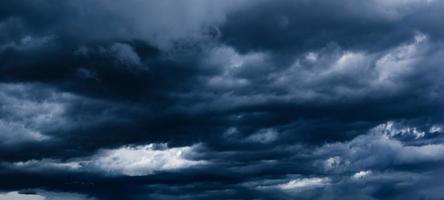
(221, 99)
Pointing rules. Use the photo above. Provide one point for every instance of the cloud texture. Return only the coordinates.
(221, 99)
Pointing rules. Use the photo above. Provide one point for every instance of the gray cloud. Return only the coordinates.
(256, 100)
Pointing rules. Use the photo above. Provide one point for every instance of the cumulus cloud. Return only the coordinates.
(361, 174)
(333, 72)
(394, 129)
(377, 150)
(27, 119)
(325, 75)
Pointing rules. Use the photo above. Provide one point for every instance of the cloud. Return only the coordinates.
(14, 133)
(377, 150)
(18, 196)
(27, 119)
(125, 54)
(361, 174)
(27, 43)
(266, 99)
(263, 136)
(304, 183)
(128, 160)
(144, 160)
(154, 22)
(337, 73)
(42, 195)
(397, 129)
(121, 55)
(35, 113)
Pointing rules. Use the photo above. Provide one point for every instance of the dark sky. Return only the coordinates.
(221, 99)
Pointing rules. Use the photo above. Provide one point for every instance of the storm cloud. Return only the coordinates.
(237, 99)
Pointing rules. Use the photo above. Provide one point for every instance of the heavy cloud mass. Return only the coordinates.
(221, 99)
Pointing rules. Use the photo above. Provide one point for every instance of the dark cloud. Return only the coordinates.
(221, 99)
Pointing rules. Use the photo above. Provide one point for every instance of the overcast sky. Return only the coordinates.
(221, 99)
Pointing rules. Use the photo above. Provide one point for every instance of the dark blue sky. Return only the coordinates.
(221, 99)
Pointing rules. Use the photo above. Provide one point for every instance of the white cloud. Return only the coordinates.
(353, 74)
(311, 56)
(305, 183)
(393, 129)
(232, 63)
(143, 160)
(399, 61)
(377, 150)
(128, 160)
(47, 164)
(18, 196)
(351, 62)
(436, 129)
(333, 163)
(361, 174)
(43, 195)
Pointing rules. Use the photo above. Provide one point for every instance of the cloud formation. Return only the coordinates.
(129, 161)
(212, 99)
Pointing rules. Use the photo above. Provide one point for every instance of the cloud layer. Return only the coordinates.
(221, 99)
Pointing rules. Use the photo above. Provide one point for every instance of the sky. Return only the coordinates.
(221, 99)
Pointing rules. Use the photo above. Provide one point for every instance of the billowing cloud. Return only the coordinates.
(379, 150)
(26, 119)
(266, 99)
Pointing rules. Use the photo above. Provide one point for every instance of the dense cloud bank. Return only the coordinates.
(266, 99)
